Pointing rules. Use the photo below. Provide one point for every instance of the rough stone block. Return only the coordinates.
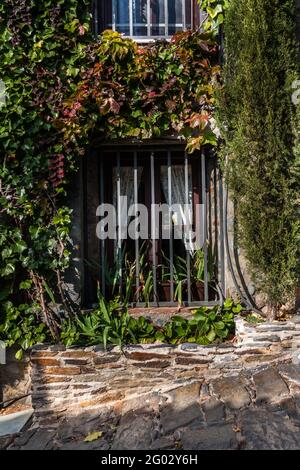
(269, 386)
(217, 437)
(232, 391)
(76, 362)
(146, 356)
(63, 370)
(35, 354)
(214, 411)
(45, 362)
(77, 354)
(265, 430)
(185, 361)
(290, 372)
(134, 432)
(152, 364)
(182, 407)
(106, 359)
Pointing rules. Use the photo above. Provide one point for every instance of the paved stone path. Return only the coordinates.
(255, 409)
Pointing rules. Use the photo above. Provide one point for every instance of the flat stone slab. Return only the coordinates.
(172, 417)
(214, 411)
(14, 422)
(270, 387)
(41, 439)
(263, 430)
(182, 407)
(291, 372)
(217, 437)
(135, 431)
(232, 391)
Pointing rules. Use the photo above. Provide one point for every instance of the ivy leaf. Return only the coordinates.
(25, 284)
(8, 270)
(19, 354)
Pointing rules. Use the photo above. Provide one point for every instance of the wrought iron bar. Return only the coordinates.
(204, 203)
(137, 251)
(113, 25)
(171, 244)
(102, 242)
(183, 15)
(148, 18)
(187, 226)
(221, 232)
(153, 228)
(119, 240)
(166, 18)
(131, 17)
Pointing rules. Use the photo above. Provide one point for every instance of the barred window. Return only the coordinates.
(146, 19)
(164, 243)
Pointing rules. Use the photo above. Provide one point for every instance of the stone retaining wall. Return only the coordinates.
(80, 380)
(15, 377)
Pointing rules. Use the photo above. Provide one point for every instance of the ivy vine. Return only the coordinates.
(64, 88)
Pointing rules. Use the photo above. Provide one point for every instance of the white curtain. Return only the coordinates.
(127, 189)
(178, 195)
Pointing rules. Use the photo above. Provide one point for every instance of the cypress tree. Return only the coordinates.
(261, 129)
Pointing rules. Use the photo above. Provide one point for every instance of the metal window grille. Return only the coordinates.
(144, 19)
(206, 182)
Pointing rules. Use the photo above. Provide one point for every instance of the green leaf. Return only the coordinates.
(19, 354)
(24, 285)
(49, 291)
(8, 270)
(211, 336)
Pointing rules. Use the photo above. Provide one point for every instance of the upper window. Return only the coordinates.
(146, 19)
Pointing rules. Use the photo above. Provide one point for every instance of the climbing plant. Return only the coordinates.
(215, 10)
(63, 88)
(128, 91)
(261, 154)
(42, 47)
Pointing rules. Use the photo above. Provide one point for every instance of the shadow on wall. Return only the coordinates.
(208, 427)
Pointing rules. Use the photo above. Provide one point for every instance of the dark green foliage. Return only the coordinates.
(42, 45)
(47, 58)
(111, 324)
(258, 120)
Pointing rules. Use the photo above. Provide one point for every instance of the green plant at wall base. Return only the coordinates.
(111, 324)
(22, 328)
(261, 152)
(206, 327)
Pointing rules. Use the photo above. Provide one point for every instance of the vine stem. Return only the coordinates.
(49, 320)
(68, 310)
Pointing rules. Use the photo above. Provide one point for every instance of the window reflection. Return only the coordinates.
(139, 8)
(158, 17)
(151, 18)
(121, 16)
